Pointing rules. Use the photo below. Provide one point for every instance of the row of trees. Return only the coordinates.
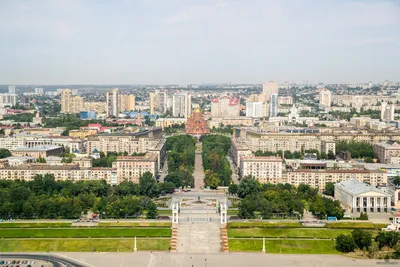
(107, 160)
(180, 160)
(361, 239)
(46, 198)
(357, 149)
(216, 165)
(281, 200)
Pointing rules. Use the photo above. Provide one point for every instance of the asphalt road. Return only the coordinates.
(53, 259)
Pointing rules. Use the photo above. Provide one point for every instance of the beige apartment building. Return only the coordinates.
(264, 169)
(70, 103)
(99, 107)
(319, 178)
(38, 152)
(168, 122)
(131, 168)
(357, 101)
(388, 152)
(285, 100)
(126, 102)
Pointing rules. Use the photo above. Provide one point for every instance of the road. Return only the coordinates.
(55, 260)
(164, 169)
(235, 176)
(198, 168)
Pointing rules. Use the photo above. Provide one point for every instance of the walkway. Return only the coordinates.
(198, 168)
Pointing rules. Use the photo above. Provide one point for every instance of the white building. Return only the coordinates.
(325, 97)
(285, 100)
(254, 109)
(112, 108)
(387, 112)
(361, 197)
(181, 105)
(269, 88)
(11, 89)
(225, 107)
(8, 100)
(264, 169)
(39, 91)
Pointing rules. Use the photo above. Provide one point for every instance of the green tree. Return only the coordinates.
(233, 189)
(329, 189)
(147, 185)
(41, 160)
(4, 153)
(151, 211)
(362, 238)
(249, 185)
(345, 243)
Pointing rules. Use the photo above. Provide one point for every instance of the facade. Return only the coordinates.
(387, 152)
(254, 109)
(131, 168)
(361, 197)
(98, 107)
(126, 102)
(87, 115)
(158, 102)
(168, 122)
(325, 98)
(82, 133)
(268, 89)
(196, 124)
(264, 169)
(8, 100)
(319, 178)
(11, 89)
(273, 105)
(70, 103)
(38, 152)
(387, 112)
(225, 107)
(39, 91)
(285, 100)
(112, 103)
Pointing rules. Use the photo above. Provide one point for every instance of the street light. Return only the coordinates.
(205, 262)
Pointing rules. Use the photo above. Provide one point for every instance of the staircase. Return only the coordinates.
(199, 237)
(174, 239)
(224, 240)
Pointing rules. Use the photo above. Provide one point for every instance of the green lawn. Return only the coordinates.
(135, 224)
(85, 232)
(82, 245)
(284, 246)
(355, 224)
(288, 224)
(287, 233)
(34, 225)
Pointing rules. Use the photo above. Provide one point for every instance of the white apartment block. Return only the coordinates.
(387, 112)
(387, 152)
(8, 100)
(325, 98)
(264, 169)
(225, 107)
(285, 100)
(131, 168)
(254, 109)
(181, 105)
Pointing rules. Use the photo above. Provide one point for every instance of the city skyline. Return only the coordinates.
(162, 42)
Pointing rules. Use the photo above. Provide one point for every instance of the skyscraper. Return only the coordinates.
(112, 100)
(254, 109)
(126, 102)
(158, 102)
(269, 88)
(225, 107)
(181, 105)
(325, 97)
(11, 89)
(39, 91)
(70, 103)
(273, 105)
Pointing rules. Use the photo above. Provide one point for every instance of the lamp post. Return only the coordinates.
(205, 262)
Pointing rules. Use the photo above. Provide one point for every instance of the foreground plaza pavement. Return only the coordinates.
(166, 259)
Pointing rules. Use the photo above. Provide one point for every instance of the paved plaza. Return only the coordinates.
(166, 259)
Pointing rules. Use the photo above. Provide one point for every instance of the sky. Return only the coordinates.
(198, 41)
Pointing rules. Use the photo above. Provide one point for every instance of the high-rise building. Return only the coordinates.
(158, 102)
(325, 97)
(8, 100)
(126, 102)
(273, 105)
(70, 103)
(11, 89)
(225, 107)
(181, 105)
(39, 91)
(254, 109)
(253, 98)
(112, 98)
(269, 88)
(387, 112)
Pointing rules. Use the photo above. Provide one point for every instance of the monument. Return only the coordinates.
(196, 124)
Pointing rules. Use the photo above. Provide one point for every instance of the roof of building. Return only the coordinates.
(38, 148)
(20, 158)
(53, 158)
(355, 187)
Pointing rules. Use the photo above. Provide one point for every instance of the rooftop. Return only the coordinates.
(39, 148)
(356, 188)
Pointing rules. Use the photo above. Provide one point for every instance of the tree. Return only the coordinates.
(167, 187)
(147, 185)
(329, 189)
(373, 250)
(249, 185)
(212, 179)
(41, 160)
(363, 216)
(331, 155)
(4, 153)
(389, 239)
(362, 238)
(233, 189)
(345, 243)
(151, 211)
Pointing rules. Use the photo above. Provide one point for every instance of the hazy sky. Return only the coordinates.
(194, 41)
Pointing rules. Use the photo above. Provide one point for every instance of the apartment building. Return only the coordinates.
(131, 168)
(126, 102)
(37, 152)
(388, 152)
(99, 107)
(319, 178)
(225, 107)
(71, 103)
(264, 169)
(285, 100)
(325, 98)
(168, 122)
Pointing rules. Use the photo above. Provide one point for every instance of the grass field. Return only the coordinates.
(85, 232)
(288, 224)
(82, 245)
(287, 233)
(284, 246)
(34, 225)
(355, 224)
(135, 224)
